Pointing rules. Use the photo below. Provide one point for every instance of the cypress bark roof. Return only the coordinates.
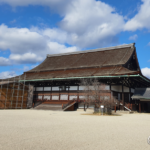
(105, 57)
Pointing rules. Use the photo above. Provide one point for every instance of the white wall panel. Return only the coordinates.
(125, 89)
(47, 97)
(63, 97)
(55, 88)
(55, 97)
(107, 87)
(81, 97)
(117, 88)
(47, 88)
(81, 87)
(39, 97)
(71, 97)
(73, 88)
(39, 88)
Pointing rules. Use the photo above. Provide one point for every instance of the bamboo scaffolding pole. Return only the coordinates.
(1, 91)
(23, 91)
(12, 92)
(6, 93)
(28, 94)
(18, 92)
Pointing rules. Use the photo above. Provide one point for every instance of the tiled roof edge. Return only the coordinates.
(94, 50)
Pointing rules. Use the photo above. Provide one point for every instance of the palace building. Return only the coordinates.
(56, 81)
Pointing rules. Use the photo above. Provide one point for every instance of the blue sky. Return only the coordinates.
(33, 28)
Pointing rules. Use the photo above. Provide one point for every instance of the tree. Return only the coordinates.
(95, 93)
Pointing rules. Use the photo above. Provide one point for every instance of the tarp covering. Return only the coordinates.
(141, 93)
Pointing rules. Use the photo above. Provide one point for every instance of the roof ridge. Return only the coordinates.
(94, 50)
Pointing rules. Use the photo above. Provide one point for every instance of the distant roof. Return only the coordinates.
(103, 57)
(141, 93)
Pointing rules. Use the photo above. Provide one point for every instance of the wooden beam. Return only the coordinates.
(140, 106)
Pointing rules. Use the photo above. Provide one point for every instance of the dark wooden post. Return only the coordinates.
(139, 106)
(130, 95)
(78, 93)
(122, 97)
(68, 93)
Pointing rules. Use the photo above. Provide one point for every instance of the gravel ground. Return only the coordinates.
(54, 130)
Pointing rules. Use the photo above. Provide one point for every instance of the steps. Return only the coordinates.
(68, 105)
(123, 112)
(57, 107)
(125, 107)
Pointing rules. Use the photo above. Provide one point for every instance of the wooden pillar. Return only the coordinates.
(68, 93)
(110, 92)
(130, 95)
(115, 108)
(59, 94)
(78, 93)
(123, 97)
(140, 106)
(51, 93)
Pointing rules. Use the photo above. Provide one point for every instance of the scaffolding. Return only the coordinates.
(15, 93)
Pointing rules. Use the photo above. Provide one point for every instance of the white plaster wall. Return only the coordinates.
(55, 97)
(39, 97)
(63, 97)
(126, 89)
(107, 87)
(55, 88)
(39, 88)
(81, 97)
(73, 88)
(72, 97)
(81, 87)
(117, 88)
(47, 88)
(47, 97)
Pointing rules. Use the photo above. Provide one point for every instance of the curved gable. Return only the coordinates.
(114, 56)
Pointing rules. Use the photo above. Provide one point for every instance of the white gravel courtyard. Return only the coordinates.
(55, 130)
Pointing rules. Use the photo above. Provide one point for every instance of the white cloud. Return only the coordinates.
(91, 23)
(146, 72)
(7, 74)
(141, 20)
(4, 61)
(85, 23)
(56, 5)
(134, 37)
(28, 46)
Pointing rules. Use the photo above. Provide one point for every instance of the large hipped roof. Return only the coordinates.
(105, 57)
